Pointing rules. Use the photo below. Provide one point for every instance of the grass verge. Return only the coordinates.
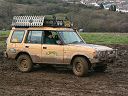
(4, 33)
(105, 38)
(96, 38)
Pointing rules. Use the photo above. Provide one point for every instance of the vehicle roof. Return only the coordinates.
(45, 28)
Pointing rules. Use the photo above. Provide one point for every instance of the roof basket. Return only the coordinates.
(27, 21)
(38, 21)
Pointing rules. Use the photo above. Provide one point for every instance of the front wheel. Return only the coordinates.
(80, 66)
(24, 63)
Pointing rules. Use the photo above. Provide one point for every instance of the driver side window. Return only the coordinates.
(51, 37)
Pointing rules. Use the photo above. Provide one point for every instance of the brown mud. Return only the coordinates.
(49, 81)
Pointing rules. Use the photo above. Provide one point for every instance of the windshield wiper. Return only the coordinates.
(73, 42)
(81, 42)
(76, 42)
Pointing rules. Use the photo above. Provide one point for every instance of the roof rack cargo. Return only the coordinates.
(38, 21)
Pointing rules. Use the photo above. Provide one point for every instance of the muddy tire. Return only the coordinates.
(101, 68)
(80, 66)
(24, 63)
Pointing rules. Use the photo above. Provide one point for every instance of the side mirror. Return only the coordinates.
(59, 42)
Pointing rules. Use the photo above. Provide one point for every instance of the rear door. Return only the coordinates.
(33, 45)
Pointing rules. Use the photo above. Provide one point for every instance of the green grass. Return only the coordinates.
(96, 38)
(105, 38)
(2, 44)
(4, 33)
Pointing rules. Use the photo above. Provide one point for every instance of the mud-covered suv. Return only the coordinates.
(38, 40)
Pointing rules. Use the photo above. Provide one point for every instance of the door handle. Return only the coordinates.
(27, 46)
(44, 47)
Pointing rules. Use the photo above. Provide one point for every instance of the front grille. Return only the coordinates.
(104, 55)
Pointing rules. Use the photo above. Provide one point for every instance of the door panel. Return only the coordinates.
(33, 45)
(52, 54)
(35, 51)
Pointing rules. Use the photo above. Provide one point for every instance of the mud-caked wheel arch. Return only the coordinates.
(80, 66)
(24, 63)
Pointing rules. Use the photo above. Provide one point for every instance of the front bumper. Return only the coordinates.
(101, 60)
(108, 58)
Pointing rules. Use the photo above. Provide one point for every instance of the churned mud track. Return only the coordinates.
(54, 82)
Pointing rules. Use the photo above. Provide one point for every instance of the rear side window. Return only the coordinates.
(34, 37)
(17, 36)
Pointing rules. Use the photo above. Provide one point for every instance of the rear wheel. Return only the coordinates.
(80, 66)
(24, 63)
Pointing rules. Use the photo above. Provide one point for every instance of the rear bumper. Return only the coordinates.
(9, 56)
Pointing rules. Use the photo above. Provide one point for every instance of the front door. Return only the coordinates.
(52, 52)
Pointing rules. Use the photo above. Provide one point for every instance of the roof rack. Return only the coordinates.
(27, 21)
(38, 21)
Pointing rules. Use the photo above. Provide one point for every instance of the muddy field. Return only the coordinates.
(62, 82)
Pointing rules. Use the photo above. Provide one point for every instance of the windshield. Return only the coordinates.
(70, 37)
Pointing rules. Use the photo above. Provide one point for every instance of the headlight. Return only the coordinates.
(101, 53)
(97, 54)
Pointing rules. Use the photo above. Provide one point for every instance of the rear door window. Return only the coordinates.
(17, 36)
(34, 37)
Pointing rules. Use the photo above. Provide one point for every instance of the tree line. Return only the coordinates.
(87, 18)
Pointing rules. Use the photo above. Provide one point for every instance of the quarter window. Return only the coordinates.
(34, 37)
(17, 36)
